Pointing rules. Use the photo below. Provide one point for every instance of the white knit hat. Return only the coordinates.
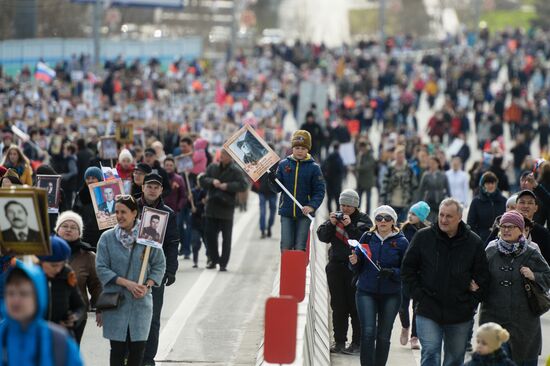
(125, 154)
(70, 216)
(386, 210)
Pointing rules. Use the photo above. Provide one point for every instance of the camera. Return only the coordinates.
(339, 215)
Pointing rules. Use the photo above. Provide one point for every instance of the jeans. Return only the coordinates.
(153, 340)
(265, 199)
(453, 336)
(294, 232)
(376, 315)
(342, 302)
(196, 242)
(184, 226)
(506, 348)
(214, 226)
(133, 350)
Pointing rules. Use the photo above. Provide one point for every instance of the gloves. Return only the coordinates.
(168, 279)
(386, 272)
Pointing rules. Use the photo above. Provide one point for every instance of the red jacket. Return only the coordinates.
(124, 174)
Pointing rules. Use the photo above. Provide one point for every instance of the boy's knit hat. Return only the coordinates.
(301, 138)
(493, 334)
(349, 198)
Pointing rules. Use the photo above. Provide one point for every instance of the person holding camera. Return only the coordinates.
(348, 223)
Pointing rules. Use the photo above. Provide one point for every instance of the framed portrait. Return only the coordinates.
(109, 148)
(139, 138)
(103, 199)
(124, 133)
(153, 227)
(22, 230)
(52, 185)
(184, 163)
(251, 152)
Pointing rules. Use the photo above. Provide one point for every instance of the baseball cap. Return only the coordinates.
(526, 192)
(152, 178)
(150, 151)
(144, 168)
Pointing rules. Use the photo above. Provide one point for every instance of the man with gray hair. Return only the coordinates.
(446, 272)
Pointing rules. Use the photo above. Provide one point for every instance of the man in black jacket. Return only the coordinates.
(526, 204)
(152, 192)
(150, 158)
(222, 181)
(316, 133)
(445, 270)
(349, 223)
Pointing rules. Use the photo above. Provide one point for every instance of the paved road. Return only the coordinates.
(210, 317)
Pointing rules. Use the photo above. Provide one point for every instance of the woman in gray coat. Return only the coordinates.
(127, 326)
(510, 260)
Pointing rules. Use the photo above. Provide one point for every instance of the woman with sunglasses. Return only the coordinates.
(118, 264)
(511, 259)
(378, 295)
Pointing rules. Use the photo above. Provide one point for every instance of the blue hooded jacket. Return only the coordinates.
(33, 346)
(304, 180)
(386, 254)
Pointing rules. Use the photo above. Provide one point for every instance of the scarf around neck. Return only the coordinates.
(512, 249)
(127, 238)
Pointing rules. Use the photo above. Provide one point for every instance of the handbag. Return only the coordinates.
(111, 300)
(538, 300)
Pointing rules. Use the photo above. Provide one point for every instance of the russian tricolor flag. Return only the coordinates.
(44, 72)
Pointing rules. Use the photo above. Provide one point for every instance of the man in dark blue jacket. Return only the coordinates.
(152, 197)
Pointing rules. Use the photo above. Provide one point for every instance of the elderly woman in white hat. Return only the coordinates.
(69, 226)
(378, 295)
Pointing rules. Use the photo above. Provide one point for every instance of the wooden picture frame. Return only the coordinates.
(251, 152)
(104, 201)
(124, 133)
(23, 211)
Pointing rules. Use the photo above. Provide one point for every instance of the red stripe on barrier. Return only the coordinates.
(281, 318)
(293, 274)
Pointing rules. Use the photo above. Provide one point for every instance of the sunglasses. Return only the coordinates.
(381, 218)
(124, 198)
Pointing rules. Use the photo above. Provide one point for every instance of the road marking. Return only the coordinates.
(174, 326)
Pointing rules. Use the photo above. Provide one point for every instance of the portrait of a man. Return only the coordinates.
(108, 204)
(51, 184)
(151, 232)
(18, 218)
(251, 148)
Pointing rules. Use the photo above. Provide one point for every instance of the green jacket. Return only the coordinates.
(366, 171)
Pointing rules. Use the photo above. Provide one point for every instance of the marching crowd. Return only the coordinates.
(415, 245)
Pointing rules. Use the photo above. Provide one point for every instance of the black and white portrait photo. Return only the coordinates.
(251, 152)
(109, 148)
(152, 227)
(51, 183)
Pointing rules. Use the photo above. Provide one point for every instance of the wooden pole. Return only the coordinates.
(190, 194)
(144, 265)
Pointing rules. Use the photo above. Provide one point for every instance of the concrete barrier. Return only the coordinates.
(312, 333)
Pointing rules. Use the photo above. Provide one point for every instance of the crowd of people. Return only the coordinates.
(415, 245)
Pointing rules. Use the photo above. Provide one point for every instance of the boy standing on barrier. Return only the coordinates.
(348, 223)
(302, 177)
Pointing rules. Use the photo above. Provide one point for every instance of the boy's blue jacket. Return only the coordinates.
(304, 180)
(386, 254)
(33, 346)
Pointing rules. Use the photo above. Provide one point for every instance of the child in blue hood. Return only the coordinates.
(24, 328)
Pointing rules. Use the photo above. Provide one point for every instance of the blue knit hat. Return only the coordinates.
(94, 171)
(421, 210)
(60, 250)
